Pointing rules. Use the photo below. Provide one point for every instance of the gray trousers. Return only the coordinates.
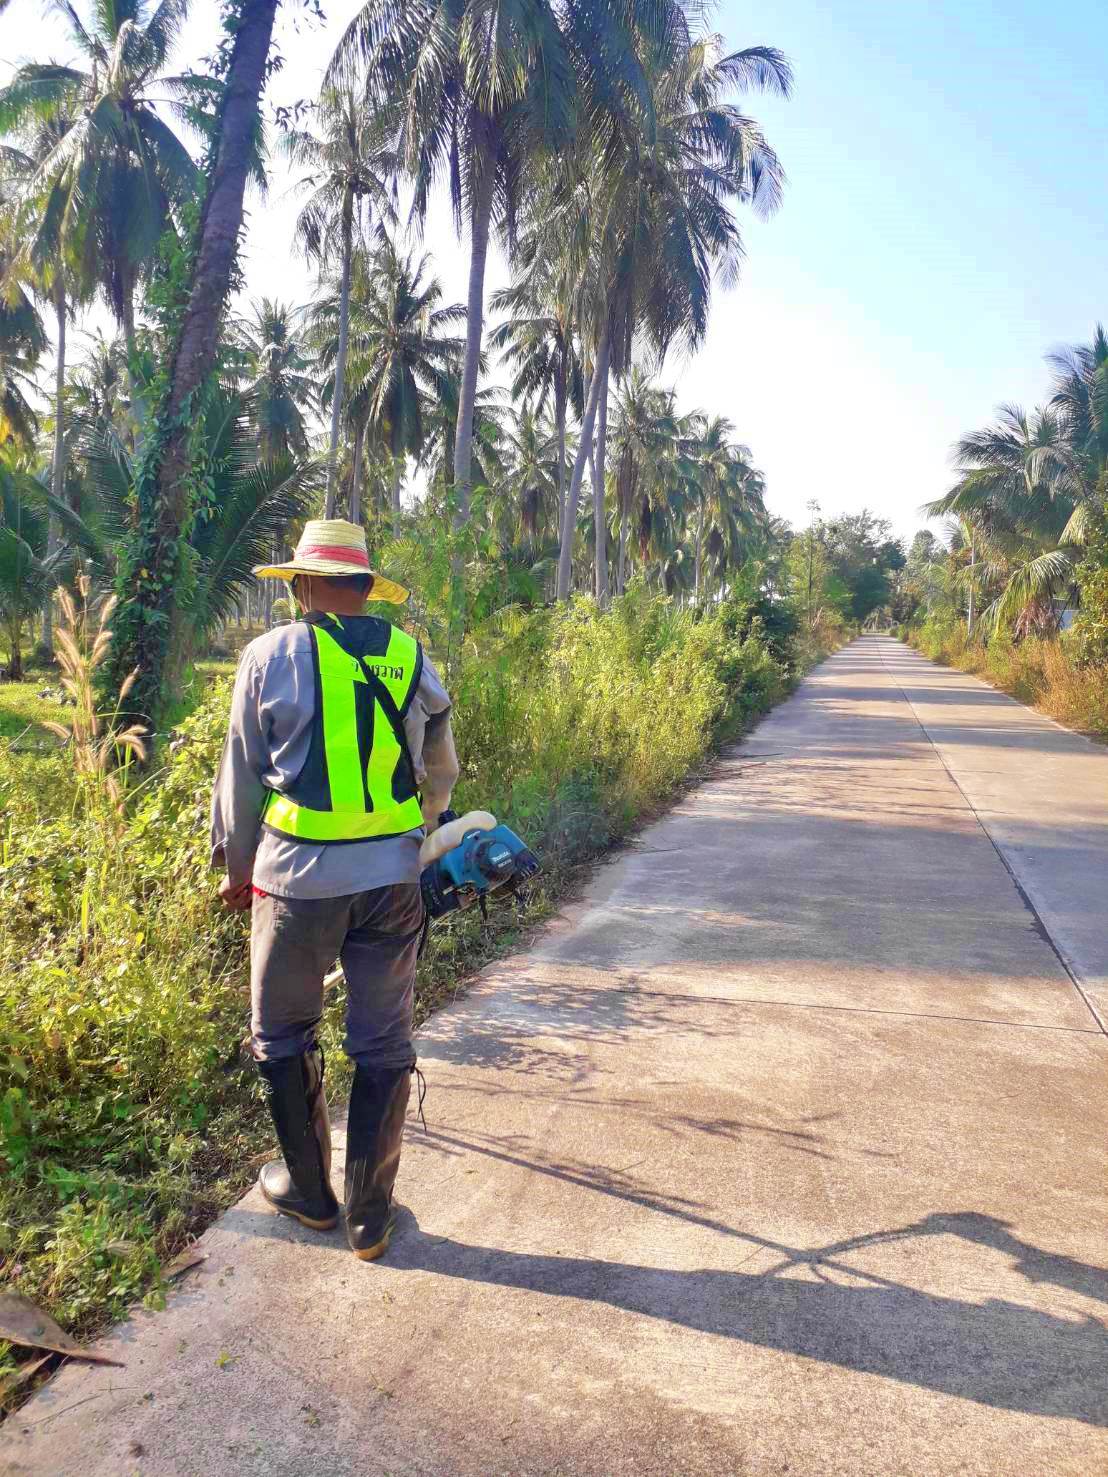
(293, 944)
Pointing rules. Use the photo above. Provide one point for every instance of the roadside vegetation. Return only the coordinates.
(593, 565)
(1017, 591)
(130, 1113)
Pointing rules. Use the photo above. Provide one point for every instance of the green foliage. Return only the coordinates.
(560, 709)
(127, 1115)
(248, 505)
(1031, 493)
(27, 567)
(150, 565)
(1090, 629)
(118, 175)
(862, 556)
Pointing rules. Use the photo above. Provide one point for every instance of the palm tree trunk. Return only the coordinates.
(138, 411)
(267, 588)
(475, 313)
(569, 522)
(397, 469)
(621, 571)
(15, 641)
(151, 631)
(57, 475)
(340, 357)
(600, 527)
(561, 396)
(356, 474)
(699, 554)
(969, 613)
(129, 321)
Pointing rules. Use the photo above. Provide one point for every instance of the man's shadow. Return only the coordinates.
(996, 1352)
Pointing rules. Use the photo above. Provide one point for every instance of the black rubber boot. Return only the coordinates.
(300, 1186)
(374, 1132)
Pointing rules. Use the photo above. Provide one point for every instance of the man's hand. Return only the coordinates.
(238, 899)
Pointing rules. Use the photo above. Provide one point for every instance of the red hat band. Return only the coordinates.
(357, 557)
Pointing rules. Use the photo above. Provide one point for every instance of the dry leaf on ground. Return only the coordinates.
(191, 1257)
(22, 1323)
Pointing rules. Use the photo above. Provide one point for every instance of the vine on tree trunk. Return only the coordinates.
(195, 275)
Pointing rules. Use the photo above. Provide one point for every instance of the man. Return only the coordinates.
(339, 759)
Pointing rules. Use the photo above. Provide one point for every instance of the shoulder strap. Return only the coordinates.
(389, 708)
(413, 685)
(393, 714)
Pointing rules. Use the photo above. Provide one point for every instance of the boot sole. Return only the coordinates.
(305, 1220)
(378, 1249)
(371, 1253)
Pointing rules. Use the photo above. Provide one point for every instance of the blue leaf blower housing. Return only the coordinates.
(484, 865)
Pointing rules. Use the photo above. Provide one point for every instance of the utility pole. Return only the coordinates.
(972, 562)
(813, 508)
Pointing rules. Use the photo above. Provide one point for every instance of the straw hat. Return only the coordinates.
(335, 547)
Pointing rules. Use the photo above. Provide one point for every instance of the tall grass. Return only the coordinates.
(128, 1112)
(1047, 674)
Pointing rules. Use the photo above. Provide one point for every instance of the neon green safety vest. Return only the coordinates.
(358, 782)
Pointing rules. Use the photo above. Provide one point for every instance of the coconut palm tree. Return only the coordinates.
(253, 501)
(56, 278)
(474, 89)
(658, 208)
(96, 387)
(714, 472)
(349, 178)
(22, 343)
(1080, 400)
(280, 385)
(737, 523)
(29, 567)
(1030, 489)
(402, 350)
(149, 630)
(644, 435)
(440, 421)
(727, 493)
(538, 342)
(23, 338)
(1017, 493)
(480, 93)
(528, 489)
(117, 174)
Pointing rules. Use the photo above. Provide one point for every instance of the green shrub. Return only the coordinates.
(1090, 630)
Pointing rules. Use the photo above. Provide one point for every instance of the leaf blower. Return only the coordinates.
(471, 859)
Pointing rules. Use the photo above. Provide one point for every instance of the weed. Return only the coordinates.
(128, 1118)
(1046, 673)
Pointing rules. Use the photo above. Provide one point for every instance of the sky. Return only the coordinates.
(945, 223)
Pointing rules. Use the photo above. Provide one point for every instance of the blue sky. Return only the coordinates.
(945, 223)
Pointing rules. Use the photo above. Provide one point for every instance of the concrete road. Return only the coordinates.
(784, 1152)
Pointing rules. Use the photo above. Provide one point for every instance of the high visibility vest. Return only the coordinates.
(358, 782)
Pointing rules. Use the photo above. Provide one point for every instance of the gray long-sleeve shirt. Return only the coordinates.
(267, 745)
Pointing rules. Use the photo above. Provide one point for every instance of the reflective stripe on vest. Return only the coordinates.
(362, 788)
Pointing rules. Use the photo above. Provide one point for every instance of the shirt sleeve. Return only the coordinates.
(431, 694)
(431, 743)
(239, 792)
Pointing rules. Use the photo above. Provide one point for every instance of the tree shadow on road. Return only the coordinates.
(812, 1303)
